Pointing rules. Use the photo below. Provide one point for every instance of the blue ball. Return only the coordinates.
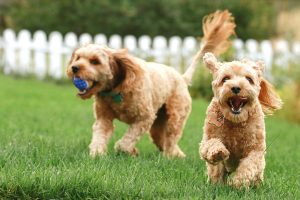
(80, 84)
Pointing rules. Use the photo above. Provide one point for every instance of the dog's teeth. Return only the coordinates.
(236, 111)
(82, 92)
(242, 104)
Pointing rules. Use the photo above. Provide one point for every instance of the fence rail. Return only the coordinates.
(25, 53)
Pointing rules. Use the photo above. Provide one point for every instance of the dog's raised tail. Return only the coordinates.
(217, 28)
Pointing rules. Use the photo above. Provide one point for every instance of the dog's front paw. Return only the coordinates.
(121, 147)
(213, 151)
(217, 155)
(97, 150)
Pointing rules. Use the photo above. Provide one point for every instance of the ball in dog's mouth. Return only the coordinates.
(236, 103)
(83, 85)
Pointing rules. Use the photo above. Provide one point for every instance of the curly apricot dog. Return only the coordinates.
(234, 130)
(148, 96)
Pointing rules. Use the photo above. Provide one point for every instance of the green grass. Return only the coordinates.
(44, 135)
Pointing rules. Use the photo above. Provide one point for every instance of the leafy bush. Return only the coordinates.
(201, 85)
(255, 19)
(291, 97)
(288, 82)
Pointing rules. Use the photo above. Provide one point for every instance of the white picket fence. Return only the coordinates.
(41, 55)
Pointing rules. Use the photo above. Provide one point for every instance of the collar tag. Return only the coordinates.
(117, 97)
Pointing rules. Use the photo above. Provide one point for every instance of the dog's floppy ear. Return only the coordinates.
(268, 98)
(131, 71)
(211, 62)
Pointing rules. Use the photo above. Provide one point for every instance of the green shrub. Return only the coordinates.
(288, 82)
(255, 19)
(290, 95)
(201, 86)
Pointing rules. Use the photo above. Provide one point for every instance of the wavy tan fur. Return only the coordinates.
(155, 97)
(235, 143)
(217, 28)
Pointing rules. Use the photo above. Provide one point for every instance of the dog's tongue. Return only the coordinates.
(236, 102)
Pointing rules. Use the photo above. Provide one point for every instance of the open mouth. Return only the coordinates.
(84, 91)
(236, 103)
(84, 86)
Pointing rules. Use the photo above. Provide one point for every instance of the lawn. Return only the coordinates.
(44, 135)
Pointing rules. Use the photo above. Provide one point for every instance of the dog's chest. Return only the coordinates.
(124, 113)
(241, 139)
(129, 111)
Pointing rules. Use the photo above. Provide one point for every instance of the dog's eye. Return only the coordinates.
(225, 79)
(77, 58)
(94, 61)
(250, 80)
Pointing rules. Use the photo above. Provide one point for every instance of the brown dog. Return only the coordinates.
(148, 96)
(234, 130)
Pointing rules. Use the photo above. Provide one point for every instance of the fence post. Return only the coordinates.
(282, 53)
(252, 49)
(85, 38)
(238, 47)
(70, 43)
(267, 55)
(9, 38)
(144, 44)
(40, 48)
(160, 49)
(130, 44)
(100, 39)
(189, 48)
(175, 43)
(115, 42)
(55, 51)
(24, 44)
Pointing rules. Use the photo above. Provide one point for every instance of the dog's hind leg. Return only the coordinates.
(169, 125)
(159, 128)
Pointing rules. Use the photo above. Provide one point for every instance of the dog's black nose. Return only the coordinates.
(236, 90)
(75, 69)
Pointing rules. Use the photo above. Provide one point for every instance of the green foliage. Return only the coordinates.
(255, 19)
(288, 82)
(290, 95)
(201, 85)
(45, 132)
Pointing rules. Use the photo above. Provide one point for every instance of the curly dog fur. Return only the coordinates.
(234, 130)
(155, 97)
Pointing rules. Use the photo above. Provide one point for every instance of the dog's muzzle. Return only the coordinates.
(236, 103)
